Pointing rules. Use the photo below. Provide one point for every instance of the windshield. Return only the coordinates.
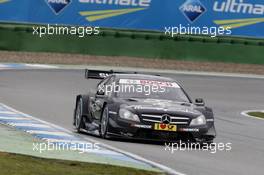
(131, 88)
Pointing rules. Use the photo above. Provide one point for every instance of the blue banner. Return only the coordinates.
(243, 18)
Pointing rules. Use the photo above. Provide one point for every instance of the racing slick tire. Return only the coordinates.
(104, 123)
(78, 115)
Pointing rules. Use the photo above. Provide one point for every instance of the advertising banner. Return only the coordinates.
(244, 18)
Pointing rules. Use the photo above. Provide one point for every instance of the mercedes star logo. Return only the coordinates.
(165, 119)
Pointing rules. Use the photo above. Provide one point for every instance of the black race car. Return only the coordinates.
(149, 107)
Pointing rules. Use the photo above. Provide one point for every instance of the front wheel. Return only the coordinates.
(104, 123)
(78, 123)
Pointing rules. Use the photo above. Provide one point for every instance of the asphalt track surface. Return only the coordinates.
(50, 95)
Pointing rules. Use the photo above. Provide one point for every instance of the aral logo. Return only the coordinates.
(192, 9)
(58, 5)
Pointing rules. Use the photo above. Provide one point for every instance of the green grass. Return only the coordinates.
(143, 44)
(17, 164)
(257, 114)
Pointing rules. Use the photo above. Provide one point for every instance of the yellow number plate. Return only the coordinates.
(165, 127)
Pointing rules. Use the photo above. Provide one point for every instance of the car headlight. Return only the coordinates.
(200, 120)
(128, 115)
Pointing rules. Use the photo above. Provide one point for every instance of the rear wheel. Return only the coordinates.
(104, 123)
(79, 123)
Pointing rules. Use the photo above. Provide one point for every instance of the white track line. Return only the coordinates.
(66, 141)
(13, 118)
(166, 71)
(168, 170)
(45, 66)
(6, 112)
(133, 69)
(30, 125)
(245, 113)
(53, 133)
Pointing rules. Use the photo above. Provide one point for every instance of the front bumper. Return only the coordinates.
(129, 129)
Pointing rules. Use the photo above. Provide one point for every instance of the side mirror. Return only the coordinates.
(199, 102)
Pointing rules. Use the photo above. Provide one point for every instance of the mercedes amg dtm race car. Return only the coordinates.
(140, 106)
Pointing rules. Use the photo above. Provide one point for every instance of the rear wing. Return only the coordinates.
(97, 74)
(101, 74)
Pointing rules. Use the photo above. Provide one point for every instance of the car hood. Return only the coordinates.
(156, 106)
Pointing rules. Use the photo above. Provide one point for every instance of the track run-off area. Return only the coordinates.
(50, 96)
